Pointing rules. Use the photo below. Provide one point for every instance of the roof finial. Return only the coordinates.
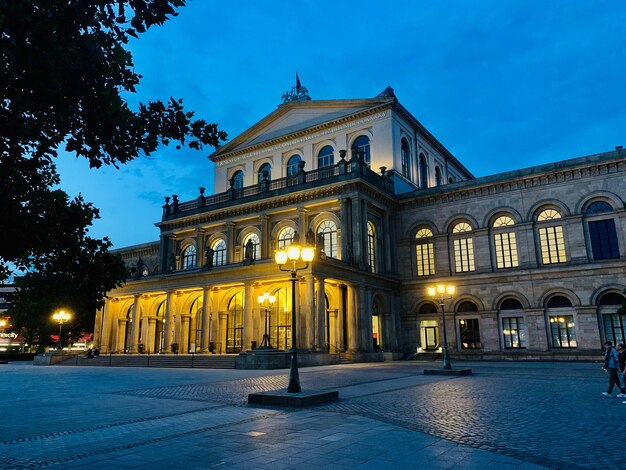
(297, 93)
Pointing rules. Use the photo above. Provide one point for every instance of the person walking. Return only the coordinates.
(622, 365)
(611, 363)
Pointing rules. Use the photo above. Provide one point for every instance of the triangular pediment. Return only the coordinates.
(294, 117)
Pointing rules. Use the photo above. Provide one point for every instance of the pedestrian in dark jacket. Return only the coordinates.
(611, 363)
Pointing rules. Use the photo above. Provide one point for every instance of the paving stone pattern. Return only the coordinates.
(521, 416)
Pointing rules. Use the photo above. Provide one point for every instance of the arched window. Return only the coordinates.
(265, 168)
(256, 251)
(562, 325)
(514, 330)
(469, 328)
(371, 247)
(505, 243)
(425, 252)
(405, 157)
(237, 180)
(325, 157)
(328, 230)
(362, 145)
(463, 248)
(219, 252)
(551, 238)
(450, 180)
(438, 178)
(423, 172)
(234, 324)
(613, 319)
(285, 237)
(191, 337)
(189, 257)
(293, 165)
(602, 233)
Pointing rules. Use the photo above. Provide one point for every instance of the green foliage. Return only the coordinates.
(64, 70)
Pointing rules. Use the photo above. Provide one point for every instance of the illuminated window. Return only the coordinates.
(362, 145)
(371, 247)
(189, 257)
(514, 332)
(470, 333)
(505, 243)
(219, 252)
(256, 252)
(562, 330)
(551, 238)
(285, 237)
(405, 154)
(463, 249)
(266, 167)
(325, 157)
(293, 165)
(425, 252)
(328, 230)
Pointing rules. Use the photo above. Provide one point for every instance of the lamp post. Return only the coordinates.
(441, 293)
(295, 254)
(61, 316)
(266, 301)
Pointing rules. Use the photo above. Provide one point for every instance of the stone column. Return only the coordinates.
(97, 327)
(265, 236)
(365, 310)
(346, 236)
(302, 223)
(310, 314)
(364, 261)
(387, 237)
(134, 338)
(150, 333)
(220, 344)
(200, 258)
(178, 325)
(107, 327)
(206, 324)
(230, 247)
(357, 232)
(167, 323)
(321, 316)
(247, 316)
(333, 341)
(352, 317)
(173, 253)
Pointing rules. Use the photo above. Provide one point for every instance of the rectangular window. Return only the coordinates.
(603, 239)
(614, 327)
(563, 333)
(464, 255)
(552, 245)
(514, 332)
(425, 259)
(470, 333)
(506, 250)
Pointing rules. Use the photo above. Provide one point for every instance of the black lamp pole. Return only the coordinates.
(294, 377)
(446, 357)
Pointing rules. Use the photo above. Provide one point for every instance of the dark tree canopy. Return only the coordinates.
(65, 70)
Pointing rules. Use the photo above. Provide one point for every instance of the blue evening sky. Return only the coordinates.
(503, 84)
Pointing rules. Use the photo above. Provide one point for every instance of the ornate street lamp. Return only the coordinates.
(266, 301)
(295, 254)
(61, 316)
(441, 293)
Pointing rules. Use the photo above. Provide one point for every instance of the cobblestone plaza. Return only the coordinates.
(506, 415)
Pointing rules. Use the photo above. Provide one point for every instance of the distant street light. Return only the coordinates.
(266, 301)
(443, 292)
(61, 316)
(294, 253)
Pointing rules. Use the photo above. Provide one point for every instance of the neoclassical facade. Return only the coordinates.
(536, 255)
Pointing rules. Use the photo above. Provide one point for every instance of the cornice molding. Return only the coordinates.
(517, 183)
(305, 135)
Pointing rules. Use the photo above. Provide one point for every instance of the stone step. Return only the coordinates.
(145, 360)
